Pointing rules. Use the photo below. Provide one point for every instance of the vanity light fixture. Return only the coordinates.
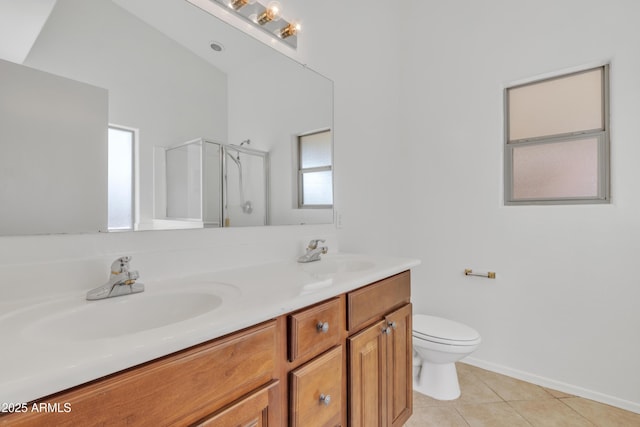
(290, 30)
(266, 16)
(270, 13)
(237, 4)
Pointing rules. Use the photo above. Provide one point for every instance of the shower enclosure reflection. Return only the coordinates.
(210, 184)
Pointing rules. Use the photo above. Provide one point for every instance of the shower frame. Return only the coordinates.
(250, 151)
(223, 189)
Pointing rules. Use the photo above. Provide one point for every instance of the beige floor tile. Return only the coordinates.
(603, 415)
(549, 413)
(473, 390)
(465, 369)
(498, 414)
(422, 401)
(436, 417)
(482, 404)
(513, 389)
(557, 394)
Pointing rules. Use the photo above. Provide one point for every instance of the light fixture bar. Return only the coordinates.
(266, 17)
(237, 4)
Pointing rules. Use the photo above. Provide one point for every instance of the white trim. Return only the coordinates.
(557, 73)
(556, 385)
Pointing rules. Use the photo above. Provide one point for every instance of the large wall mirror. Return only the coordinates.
(145, 115)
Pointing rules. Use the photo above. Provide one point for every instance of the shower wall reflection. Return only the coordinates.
(209, 184)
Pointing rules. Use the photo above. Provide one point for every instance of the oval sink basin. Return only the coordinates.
(119, 316)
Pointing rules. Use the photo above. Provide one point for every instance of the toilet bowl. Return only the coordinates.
(437, 344)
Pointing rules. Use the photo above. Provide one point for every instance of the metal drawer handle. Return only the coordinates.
(322, 327)
(326, 399)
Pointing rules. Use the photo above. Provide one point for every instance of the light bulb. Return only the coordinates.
(271, 13)
(290, 30)
(237, 4)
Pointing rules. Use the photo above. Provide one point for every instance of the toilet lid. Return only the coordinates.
(443, 329)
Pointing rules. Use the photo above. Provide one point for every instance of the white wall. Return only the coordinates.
(355, 44)
(71, 123)
(20, 25)
(563, 310)
(271, 109)
(155, 85)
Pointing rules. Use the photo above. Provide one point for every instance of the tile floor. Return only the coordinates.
(493, 400)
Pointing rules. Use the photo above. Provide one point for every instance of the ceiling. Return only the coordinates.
(22, 20)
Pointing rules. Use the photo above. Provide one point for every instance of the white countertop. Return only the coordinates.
(41, 354)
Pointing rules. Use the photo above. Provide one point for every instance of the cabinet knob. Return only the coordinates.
(386, 331)
(322, 327)
(325, 398)
(393, 324)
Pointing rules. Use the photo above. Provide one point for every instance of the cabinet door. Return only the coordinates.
(254, 410)
(316, 391)
(368, 377)
(400, 366)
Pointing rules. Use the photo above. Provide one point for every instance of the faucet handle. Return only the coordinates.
(132, 276)
(121, 265)
(313, 244)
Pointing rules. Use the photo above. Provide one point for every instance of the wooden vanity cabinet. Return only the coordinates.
(342, 362)
(380, 353)
(179, 389)
(317, 364)
(254, 410)
(316, 391)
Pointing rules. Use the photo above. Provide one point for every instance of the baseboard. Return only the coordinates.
(556, 385)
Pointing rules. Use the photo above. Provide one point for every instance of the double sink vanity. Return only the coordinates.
(324, 343)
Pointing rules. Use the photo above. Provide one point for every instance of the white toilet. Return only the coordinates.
(437, 344)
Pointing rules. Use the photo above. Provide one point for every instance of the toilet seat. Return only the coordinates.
(443, 331)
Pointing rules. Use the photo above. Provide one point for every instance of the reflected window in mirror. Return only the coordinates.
(121, 173)
(315, 177)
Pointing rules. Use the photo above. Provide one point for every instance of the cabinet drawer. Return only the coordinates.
(371, 303)
(255, 410)
(315, 329)
(316, 391)
(178, 389)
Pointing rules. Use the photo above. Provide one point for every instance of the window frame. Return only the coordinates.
(601, 135)
(302, 171)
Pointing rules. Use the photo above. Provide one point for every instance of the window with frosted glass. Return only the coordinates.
(557, 140)
(120, 179)
(315, 175)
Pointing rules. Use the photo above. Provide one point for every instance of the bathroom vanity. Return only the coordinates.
(338, 353)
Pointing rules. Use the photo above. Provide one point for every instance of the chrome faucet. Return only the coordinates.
(122, 281)
(313, 251)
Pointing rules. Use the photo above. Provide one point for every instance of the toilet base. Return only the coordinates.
(437, 380)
